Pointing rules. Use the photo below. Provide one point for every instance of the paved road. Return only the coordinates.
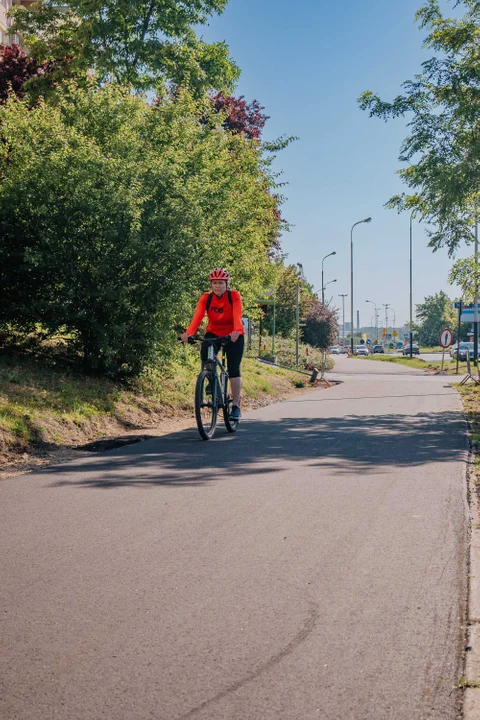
(313, 566)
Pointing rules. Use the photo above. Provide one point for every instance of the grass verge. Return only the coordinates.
(43, 407)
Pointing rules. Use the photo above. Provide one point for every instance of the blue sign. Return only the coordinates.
(468, 312)
(369, 342)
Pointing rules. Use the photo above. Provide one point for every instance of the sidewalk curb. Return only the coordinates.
(471, 700)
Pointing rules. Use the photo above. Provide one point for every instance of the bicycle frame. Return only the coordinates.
(217, 367)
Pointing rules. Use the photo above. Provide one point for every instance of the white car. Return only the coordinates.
(334, 350)
(360, 350)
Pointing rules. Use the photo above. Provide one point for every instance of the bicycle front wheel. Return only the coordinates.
(205, 407)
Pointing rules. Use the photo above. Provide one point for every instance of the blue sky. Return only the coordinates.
(307, 62)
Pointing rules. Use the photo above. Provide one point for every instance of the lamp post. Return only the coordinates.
(376, 317)
(343, 308)
(323, 286)
(411, 286)
(386, 306)
(394, 318)
(323, 289)
(366, 220)
(300, 277)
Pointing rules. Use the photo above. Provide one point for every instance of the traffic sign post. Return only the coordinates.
(445, 342)
(446, 338)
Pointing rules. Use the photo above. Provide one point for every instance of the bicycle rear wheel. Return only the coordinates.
(231, 425)
(205, 407)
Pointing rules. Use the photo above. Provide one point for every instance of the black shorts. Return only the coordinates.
(234, 351)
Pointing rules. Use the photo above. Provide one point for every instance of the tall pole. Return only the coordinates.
(367, 220)
(475, 309)
(273, 330)
(386, 306)
(351, 290)
(323, 284)
(376, 318)
(297, 321)
(411, 287)
(343, 323)
(458, 330)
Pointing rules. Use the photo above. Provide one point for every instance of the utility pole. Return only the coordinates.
(343, 308)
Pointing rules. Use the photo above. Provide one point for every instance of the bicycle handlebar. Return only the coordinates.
(192, 339)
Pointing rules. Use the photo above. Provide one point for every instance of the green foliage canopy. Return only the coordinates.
(140, 43)
(435, 313)
(113, 211)
(285, 289)
(442, 152)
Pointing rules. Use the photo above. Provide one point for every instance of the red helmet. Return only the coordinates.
(219, 274)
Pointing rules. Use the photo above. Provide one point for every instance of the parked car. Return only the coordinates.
(377, 349)
(461, 351)
(415, 349)
(360, 350)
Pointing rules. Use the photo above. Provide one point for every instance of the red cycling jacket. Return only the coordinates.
(223, 319)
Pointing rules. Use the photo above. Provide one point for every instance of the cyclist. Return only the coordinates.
(224, 310)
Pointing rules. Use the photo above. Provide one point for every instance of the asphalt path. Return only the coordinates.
(312, 566)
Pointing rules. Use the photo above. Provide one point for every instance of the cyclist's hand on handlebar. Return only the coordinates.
(234, 336)
(184, 337)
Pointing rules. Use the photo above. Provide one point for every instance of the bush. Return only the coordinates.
(113, 211)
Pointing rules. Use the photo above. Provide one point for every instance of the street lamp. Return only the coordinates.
(394, 320)
(411, 286)
(297, 323)
(343, 307)
(376, 317)
(367, 220)
(386, 306)
(323, 287)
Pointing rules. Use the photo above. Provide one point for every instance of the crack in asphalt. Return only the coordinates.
(299, 638)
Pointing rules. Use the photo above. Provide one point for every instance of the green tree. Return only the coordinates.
(435, 313)
(285, 283)
(113, 211)
(442, 151)
(462, 274)
(143, 44)
(321, 326)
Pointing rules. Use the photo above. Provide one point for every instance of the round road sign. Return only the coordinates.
(446, 338)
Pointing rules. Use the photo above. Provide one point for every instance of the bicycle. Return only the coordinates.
(211, 391)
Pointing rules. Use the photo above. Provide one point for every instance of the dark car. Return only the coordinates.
(461, 351)
(377, 349)
(415, 350)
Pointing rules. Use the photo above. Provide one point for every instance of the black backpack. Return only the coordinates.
(210, 298)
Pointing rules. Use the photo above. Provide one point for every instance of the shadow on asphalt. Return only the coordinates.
(338, 445)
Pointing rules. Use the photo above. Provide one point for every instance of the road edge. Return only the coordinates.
(471, 664)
